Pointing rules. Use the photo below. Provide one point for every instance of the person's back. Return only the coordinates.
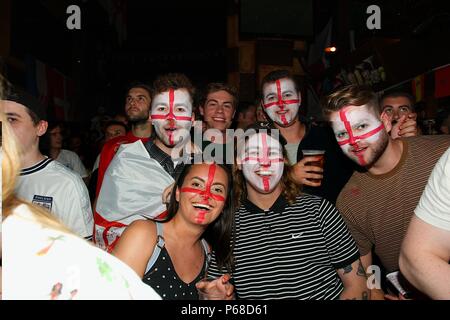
(60, 190)
(43, 259)
(52, 264)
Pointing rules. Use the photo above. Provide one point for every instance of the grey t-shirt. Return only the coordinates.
(291, 150)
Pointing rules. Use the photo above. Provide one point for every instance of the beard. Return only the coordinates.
(378, 149)
(141, 118)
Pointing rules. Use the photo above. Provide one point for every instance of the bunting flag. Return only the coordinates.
(50, 87)
(418, 87)
(317, 60)
(442, 82)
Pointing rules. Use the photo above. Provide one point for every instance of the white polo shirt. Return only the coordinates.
(60, 190)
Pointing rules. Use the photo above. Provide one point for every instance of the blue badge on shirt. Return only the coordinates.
(43, 201)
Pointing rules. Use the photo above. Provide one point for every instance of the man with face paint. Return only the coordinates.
(281, 101)
(139, 173)
(378, 201)
(287, 245)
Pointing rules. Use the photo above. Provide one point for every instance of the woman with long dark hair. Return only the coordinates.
(172, 256)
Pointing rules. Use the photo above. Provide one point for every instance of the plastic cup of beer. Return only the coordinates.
(320, 154)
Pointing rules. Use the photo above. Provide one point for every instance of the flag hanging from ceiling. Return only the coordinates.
(50, 87)
(442, 82)
(418, 87)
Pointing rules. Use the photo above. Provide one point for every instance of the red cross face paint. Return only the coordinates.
(262, 162)
(360, 134)
(206, 189)
(172, 116)
(281, 101)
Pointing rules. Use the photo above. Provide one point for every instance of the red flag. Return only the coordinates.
(442, 82)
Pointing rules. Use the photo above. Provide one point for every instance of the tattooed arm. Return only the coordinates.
(354, 279)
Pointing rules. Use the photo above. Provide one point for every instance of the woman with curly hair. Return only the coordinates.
(287, 244)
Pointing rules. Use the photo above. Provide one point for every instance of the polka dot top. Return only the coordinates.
(161, 275)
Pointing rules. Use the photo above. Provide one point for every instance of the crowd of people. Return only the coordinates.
(179, 206)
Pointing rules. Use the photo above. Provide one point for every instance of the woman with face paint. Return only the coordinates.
(173, 256)
(287, 245)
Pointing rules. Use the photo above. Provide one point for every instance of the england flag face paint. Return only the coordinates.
(206, 189)
(281, 101)
(262, 162)
(172, 116)
(360, 134)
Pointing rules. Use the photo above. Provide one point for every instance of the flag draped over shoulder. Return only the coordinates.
(132, 190)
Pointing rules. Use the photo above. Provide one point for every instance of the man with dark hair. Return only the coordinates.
(139, 173)
(378, 201)
(43, 181)
(219, 106)
(399, 108)
(114, 129)
(137, 110)
(246, 115)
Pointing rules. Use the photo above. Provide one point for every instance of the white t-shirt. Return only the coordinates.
(60, 190)
(72, 161)
(96, 163)
(42, 263)
(434, 205)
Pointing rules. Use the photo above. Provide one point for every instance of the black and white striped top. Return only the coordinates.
(290, 251)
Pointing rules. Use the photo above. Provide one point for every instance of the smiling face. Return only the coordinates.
(281, 101)
(262, 162)
(360, 133)
(218, 110)
(203, 193)
(172, 116)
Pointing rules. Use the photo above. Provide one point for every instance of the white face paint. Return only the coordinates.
(172, 116)
(281, 101)
(262, 162)
(360, 133)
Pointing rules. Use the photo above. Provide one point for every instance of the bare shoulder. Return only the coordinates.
(136, 244)
(141, 229)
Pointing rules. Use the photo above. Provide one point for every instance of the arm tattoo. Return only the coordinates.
(361, 272)
(348, 269)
